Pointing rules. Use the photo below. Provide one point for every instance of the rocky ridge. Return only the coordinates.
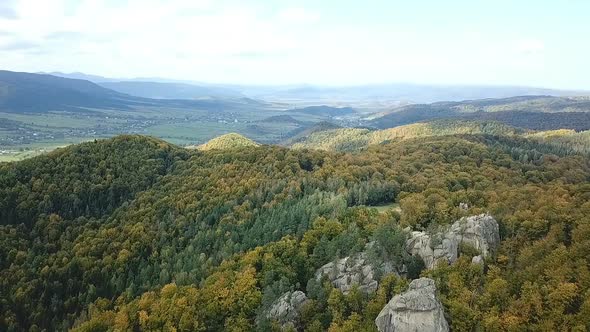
(417, 309)
(480, 232)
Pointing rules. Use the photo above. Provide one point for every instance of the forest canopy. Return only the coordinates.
(133, 233)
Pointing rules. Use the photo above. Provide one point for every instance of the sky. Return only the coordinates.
(542, 43)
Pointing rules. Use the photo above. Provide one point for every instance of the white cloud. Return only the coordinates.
(254, 42)
(529, 46)
(7, 12)
(298, 15)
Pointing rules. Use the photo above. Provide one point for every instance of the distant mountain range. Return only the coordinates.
(100, 79)
(298, 93)
(157, 88)
(41, 93)
(398, 92)
(160, 90)
(27, 92)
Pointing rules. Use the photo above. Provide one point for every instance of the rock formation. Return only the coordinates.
(348, 271)
(285, 309)
(417, 309)
(477, 260)
(481, 232)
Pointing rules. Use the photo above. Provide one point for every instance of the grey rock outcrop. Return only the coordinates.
(417, 309)
(431, 248)
(477, 260)
(481, 232)
(285, 309)
(350, 271)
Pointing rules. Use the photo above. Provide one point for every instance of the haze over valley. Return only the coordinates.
(43, 111)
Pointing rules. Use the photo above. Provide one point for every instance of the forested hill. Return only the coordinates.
(355, 139)
(228, 141)
(132, 233)
(531, 112)
(88, 179)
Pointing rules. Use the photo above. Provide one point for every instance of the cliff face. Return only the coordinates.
(286, 309)
(347, 272)
(418, 309)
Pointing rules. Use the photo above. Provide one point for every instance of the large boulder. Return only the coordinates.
(481, 232)
(349, 271)
(285, 309)
(416, 310)
(477, 260)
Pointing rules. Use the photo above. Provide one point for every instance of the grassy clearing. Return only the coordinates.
(19, 155)
(54, 120)
(193, 132)
(20, 152)
(388, 207)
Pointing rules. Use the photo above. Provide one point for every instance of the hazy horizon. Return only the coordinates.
(296, 84)
(499, 43)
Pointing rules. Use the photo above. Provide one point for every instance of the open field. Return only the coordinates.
(30, 134)
(16, 153)
(388, 207)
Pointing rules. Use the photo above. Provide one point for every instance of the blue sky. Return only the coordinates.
(525, 42)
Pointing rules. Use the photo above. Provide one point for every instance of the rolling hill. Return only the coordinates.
(305, 132)
(356, 139)
(227, 142)
(531, 112)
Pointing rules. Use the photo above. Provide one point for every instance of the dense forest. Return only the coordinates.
(133, 233)
(352, 139)
(355, 139)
